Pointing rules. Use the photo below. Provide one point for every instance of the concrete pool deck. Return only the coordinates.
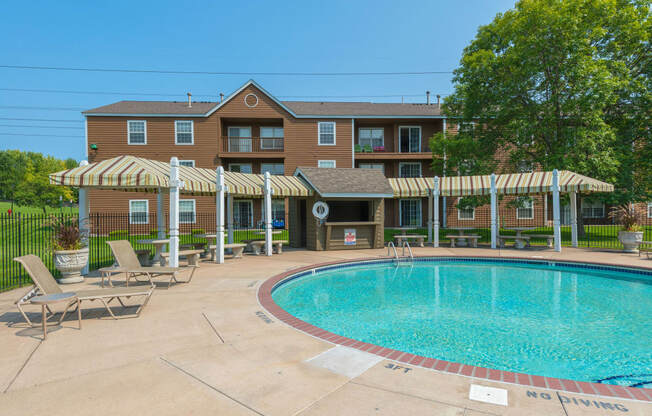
(208, 347)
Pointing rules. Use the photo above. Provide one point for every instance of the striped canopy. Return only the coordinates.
(509, 184)
(130, 173)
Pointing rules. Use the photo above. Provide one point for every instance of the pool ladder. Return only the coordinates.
(404, 245)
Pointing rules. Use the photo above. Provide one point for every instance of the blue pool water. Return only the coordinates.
(543, 319)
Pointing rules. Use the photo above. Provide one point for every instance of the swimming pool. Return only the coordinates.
(561, 320)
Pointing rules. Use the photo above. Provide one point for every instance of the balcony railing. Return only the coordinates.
(252, 144)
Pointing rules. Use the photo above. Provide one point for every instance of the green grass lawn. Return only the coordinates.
(4, 206)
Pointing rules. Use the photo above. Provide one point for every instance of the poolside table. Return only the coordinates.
(461, 242)
(160, 245)
(519, 241)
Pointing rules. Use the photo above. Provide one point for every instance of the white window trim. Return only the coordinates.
(187, 160)
(400, 165)
(518, 217)
(228, 136)
(420, 137)
(194, 211)
(240, 164)
(604, 211)
(400, 211)
(192, 132)
(129, 132)
(371, 128)
(319, 133)
(146, 211)
(649, 209)
(261, 136)
(320, 161)
(464, 219)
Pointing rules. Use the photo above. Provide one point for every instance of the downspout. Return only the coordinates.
(352, 143)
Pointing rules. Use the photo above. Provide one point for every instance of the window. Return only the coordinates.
(410, 212)
(379, 166)
(278, 211)
(239, 139)
(525, 166)
(138, 211)
(649, 209)
(409, 170)
(243, 213)
(240, 167)
(325, 163)
(188, 163)
(326, 133)
(271, 137)
(184, 131)
(525, 209)
(592, 209)
(465, 214)
(371, 136)
(136, 132)
(272, 168)
(187, 211)
(409, 139)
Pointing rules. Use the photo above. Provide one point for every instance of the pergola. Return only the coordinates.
(135, 174)
(531, 183)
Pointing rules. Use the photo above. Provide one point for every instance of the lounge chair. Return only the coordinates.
(127, 260)
(44, 284)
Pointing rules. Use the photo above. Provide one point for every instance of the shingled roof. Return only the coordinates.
(330, 108)
(346, 182)
(154, 108)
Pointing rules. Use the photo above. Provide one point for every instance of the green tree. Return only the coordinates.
(556, 84)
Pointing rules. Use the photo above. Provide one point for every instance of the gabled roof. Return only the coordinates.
(346, 182)
(298, 109)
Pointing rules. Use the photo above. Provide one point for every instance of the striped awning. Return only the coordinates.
(130, 173)
(509, 184)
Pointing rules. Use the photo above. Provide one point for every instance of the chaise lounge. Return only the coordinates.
(128, 262)
(45, 284)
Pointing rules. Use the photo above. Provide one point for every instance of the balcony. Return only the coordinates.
(273, 145)
(381, 152)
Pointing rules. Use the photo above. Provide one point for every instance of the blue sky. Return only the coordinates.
(247, 36)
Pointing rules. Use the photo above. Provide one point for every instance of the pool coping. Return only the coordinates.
(265, 299)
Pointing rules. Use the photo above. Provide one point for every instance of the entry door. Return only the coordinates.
(409, 139)
(243, 214)
(239, 139)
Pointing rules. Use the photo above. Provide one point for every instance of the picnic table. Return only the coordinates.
(520, 241)
(463, 240)
(159, 245)
(405, 237)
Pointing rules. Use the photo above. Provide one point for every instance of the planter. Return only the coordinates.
(70, 263)
(630, 240)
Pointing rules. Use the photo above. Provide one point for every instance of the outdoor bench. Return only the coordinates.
(191, 255)
(143, 256)
(549, 237)
(472, 238)
(646, 250)
(523, 240)
(406, 237)
(236, 249)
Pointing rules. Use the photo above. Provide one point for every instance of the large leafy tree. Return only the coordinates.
(556, 84)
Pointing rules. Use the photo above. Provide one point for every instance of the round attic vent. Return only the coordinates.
(251, 100)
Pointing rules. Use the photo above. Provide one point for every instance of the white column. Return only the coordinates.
(175, 183)
(435, 205)
(443, 202)
(555, 209)
(219, 215)
(429, 217)
(84, 214)
(573, 217)
(160, 217)
(494, 212)
(229, 220)
(268, 214)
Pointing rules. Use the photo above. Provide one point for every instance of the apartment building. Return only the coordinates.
(252, 131)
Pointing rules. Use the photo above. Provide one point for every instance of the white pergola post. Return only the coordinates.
(219, 215)
(435, 205)
(84, 214)
(229, 220)
(573, 217)
(268, 214)
(175, 183)
(494, 212)
(160, 217)
(430, 217)
(556, 225)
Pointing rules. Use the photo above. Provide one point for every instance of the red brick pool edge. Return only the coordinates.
(266, 301)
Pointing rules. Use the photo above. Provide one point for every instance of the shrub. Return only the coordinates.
(197, 231)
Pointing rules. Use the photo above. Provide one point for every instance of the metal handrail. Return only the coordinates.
(391, 244)
(406, 244)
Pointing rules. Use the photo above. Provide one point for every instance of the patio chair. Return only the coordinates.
(127, 260)
(45, 284)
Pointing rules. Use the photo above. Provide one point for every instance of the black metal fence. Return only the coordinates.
(31, 234)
